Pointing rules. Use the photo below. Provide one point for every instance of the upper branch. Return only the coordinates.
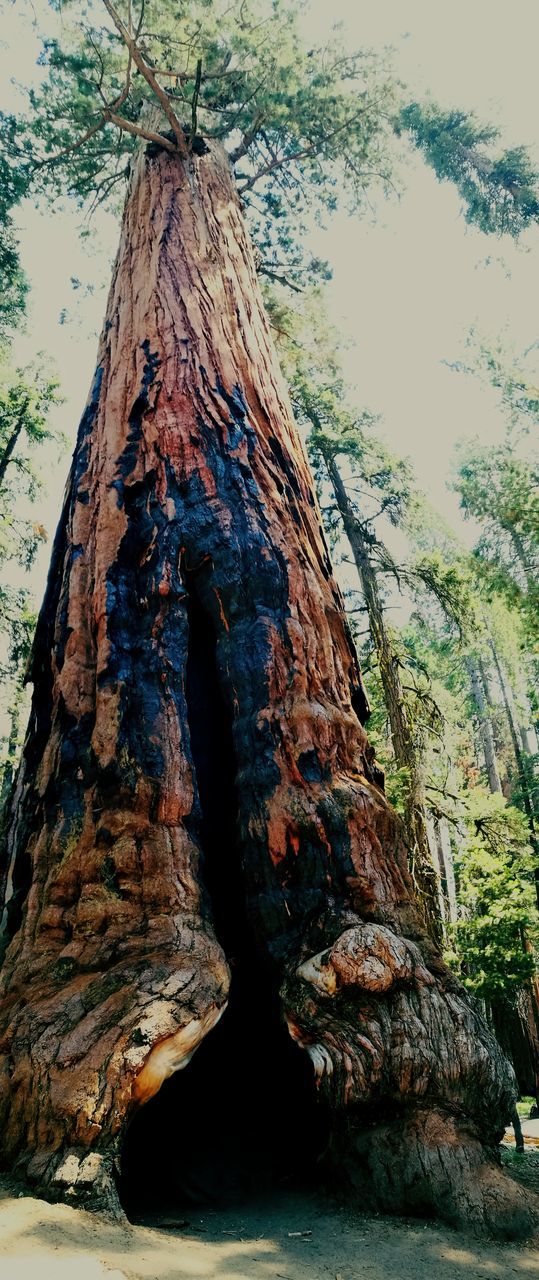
(149, 77)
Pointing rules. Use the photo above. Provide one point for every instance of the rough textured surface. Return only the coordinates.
(190, 556)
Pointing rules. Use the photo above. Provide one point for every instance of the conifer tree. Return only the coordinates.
(197, 800)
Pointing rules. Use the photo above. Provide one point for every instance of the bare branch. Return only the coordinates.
(105, 116)
(309, 150)
(129, 127)
(149, 77)
(194, 102)
(264, 270)
(248, 138)
(73, 146)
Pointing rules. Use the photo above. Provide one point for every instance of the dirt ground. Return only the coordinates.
(288, 1237)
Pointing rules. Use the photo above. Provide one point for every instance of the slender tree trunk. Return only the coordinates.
(527, 726)
(524, 781)
(527, 732)
(7, 453)
(406, 753)
(523, 559)
(448, 866)
(516, 1024)
(13, 750)
(485, 724)
(192, 632)
(436, 856)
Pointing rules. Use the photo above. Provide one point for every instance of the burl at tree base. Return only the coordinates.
(190, 538)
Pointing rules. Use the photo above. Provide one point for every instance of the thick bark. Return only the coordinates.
(485, 724)
(406, 752)
(190, 557)
(516, 1025)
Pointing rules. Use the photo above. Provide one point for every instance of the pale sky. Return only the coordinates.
(405, 291)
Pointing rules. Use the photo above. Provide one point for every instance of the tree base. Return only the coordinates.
(428, 1163)
(78, 1178)
(423, 1163)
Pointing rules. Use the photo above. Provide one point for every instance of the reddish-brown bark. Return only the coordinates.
(190, 551)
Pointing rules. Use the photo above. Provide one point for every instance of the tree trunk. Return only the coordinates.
(525, 715)
(7, 453)
(516, 1024)
(436, 856)
(406, 752)
(448, 868)
(194, 739)
(485, 725)
(523, 559)
(526, 791)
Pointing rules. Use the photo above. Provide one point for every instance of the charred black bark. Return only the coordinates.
(192, 616)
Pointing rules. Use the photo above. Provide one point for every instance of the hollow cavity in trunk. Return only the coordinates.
(244, 1116)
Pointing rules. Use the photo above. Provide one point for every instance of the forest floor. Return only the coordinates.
(289, 1236)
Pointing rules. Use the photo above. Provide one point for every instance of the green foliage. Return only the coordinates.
(308, 128)
(498, 487)
(26, 399)
(511, 377)
(13, 184)
(499, 191)
(305, 127)
(451, 583)
(397, 780)
(502, 490)
(497, 900)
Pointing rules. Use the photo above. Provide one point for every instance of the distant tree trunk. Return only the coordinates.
(516, 1025)
(406, 752)
(448, 867)
(437, 860)
(527, 728)
(485, 724)
(526, 791)
(527, 720)
(7, 452)
(192, 632)
(523, 559)
(12, 755)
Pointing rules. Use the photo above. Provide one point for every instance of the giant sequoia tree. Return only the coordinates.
(198, 820)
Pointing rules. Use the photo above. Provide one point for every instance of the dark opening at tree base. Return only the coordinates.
(243, 1116)
(241, 1119)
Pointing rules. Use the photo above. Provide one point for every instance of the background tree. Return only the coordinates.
(499, 191)
(358, 483)
(498, 487)
(420, 666)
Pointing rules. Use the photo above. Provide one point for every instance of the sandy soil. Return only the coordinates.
(290, 1237)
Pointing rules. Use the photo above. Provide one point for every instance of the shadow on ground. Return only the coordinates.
(284, 1237)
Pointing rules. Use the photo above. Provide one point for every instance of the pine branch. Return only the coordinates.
(248, 139)
(103, 119)
(312, 149)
